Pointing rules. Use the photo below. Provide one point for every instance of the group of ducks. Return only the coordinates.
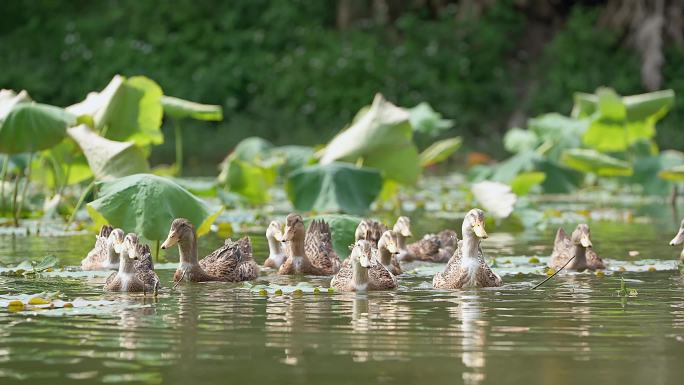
(374, 263)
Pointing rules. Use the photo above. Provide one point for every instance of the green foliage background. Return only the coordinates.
(283, 71)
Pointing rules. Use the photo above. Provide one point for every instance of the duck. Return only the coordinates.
(362, 273)
(388, 250)
(370, 230)
(431, 248)
(467, 267)
(308, 252)
(276, 254)
(103, 256)
(231, 262)
(136, 270)
(578, 245)
(678, 239)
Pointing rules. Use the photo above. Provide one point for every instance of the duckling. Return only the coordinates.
(309, 252)
(467, 267)
(362, 273)
(103, 256)
(388, 250)
(678, 239)
(578, 245)
(370, 230)
(276, 254)
(136, 271)
(231, 262)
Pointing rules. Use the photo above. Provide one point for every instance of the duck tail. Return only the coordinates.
(105, 230)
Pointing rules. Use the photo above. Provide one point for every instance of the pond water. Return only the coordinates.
(576, 329)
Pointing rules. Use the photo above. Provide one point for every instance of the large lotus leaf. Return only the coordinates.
(524, 182)
(127, 109)
(107, 158)
(250, 180)
(426, 120)
(65, 162)
(588, 160)
(383, 138)
(440, 151)
(518, 140)
(507, 170)
(29, 126)
(648, 169)
(558, 133)
(147, 204)
(293, 157)
(342, 229)
(617, 123)
(334, 187)
(179, 109)
(559, 179)
(253, 149)
(8, 98)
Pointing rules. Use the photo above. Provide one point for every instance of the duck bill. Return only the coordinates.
(170, 241)
(364, 261)
(585, 241)
(479, 230)
(678, 239)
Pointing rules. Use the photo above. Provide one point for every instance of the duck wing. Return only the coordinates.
(426, 249)
(223, 262)
(343, 277)
(98, 255)
(144, 269)
(379, 278)
(318, 247)
(594, 262)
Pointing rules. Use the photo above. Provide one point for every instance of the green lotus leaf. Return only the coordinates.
(426, 120)
(107, 158)
(588, 160)
(26, 126)
(334, 187)
(180, 109)
(440, 151)
(523, 183)
(128, 109)
(518, 140)
(383, 138)
(147, 204)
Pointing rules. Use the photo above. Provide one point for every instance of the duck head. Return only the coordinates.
(679, 238)
(182, 231)
(115, 240)
(294, 228)
(361, 253)
(474, 224)
(581, 236)
(274, 232)
(403, 227)
(361, 230)
(389, 241)
(132, 244)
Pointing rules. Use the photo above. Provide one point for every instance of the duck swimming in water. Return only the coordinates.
(579, 246)
(370, 230)
(104, 256)
(387, 252)
(308, 252)
(362, 273)
(276, 254)
(467, 267)
(678, 240)
(431, 248)
(231, 262)
(136, 270)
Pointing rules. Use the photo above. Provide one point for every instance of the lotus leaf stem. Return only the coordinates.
(80, 202)
(179, 147)
(23, 190)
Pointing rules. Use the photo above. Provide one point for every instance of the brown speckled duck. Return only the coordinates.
(308, 252)
(578, 245)
(678, 240)
(362, 273)
(276, 254)
(370, 230)
(467, 267)
(231, 262)
(103, 256)
(431, 248)
(136, 271)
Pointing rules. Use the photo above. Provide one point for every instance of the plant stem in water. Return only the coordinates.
(23, 191)
(554, 274)
(14, 200)
(5, 167)
(80, 202)
(179, 147)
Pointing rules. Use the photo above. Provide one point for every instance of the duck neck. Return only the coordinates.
(295, 246)
(275, 247)
(580, 253)
(187, 248)
(401, 242)
(471, 246)
(385, 255)
(112, 256)
(126, 265)
(359, 275)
